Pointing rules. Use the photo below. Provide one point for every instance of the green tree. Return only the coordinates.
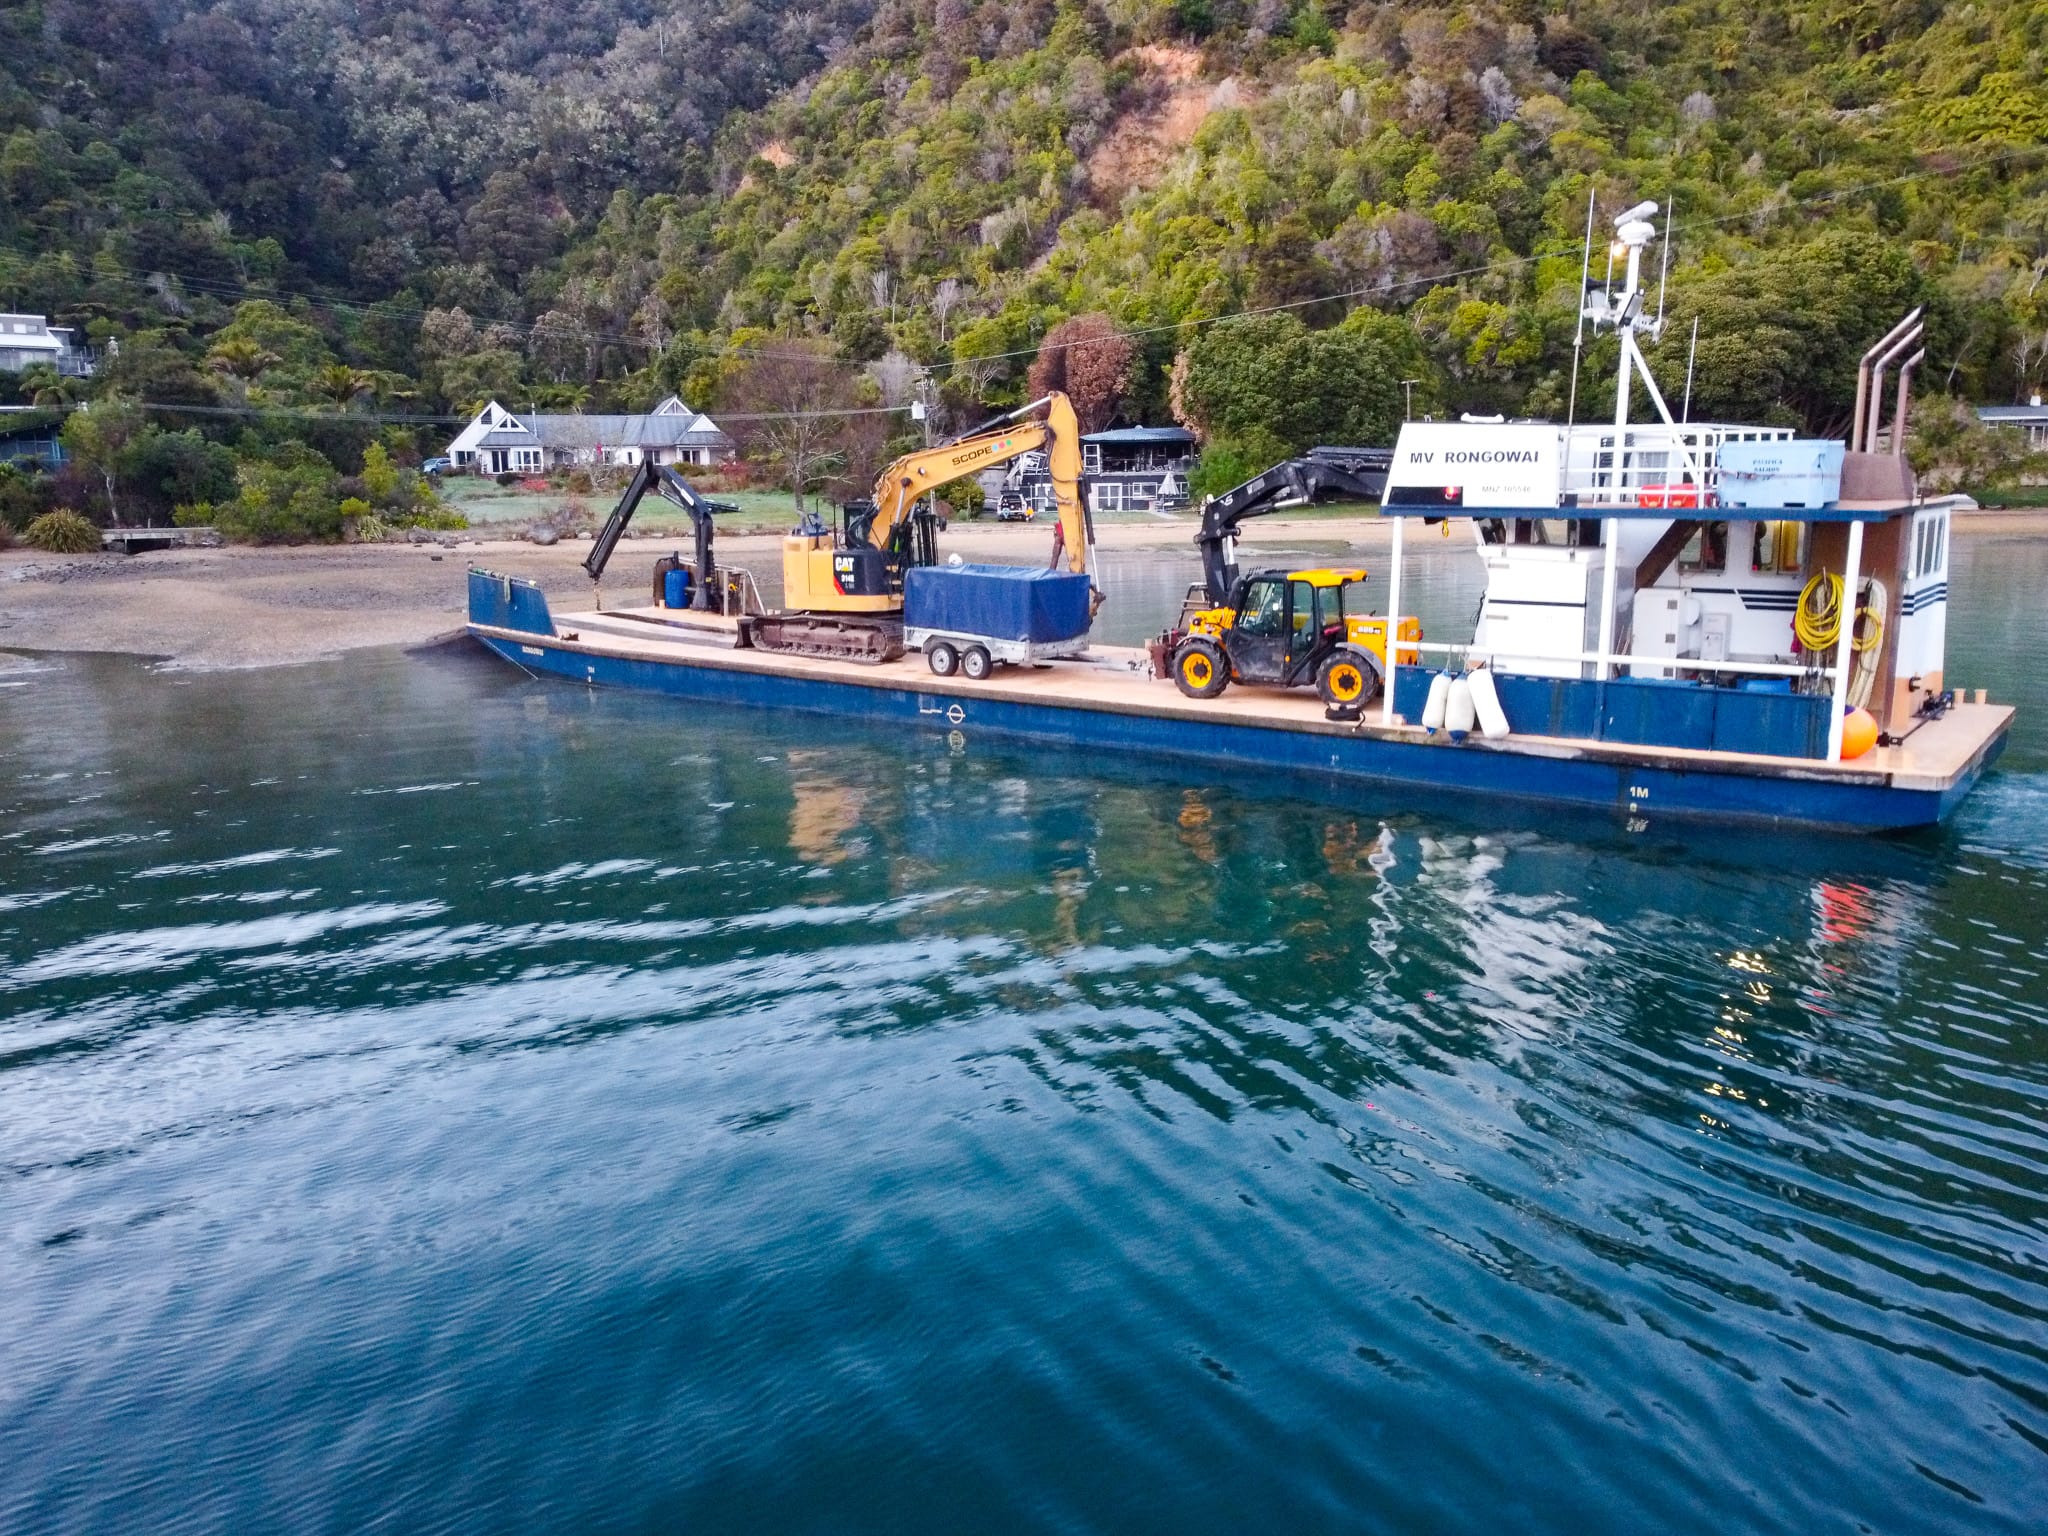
(99, 437)
(340, 385)
(1271, 376)
(242, 359)
(379, 475)
(1780, 335)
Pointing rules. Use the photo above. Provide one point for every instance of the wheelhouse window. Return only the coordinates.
(1706, 552)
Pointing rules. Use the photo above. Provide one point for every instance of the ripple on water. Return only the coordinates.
(695, 1127)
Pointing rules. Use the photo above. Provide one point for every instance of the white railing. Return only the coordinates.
(1615, 464)
(1491, 656)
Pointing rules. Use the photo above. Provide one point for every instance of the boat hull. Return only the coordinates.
(1643, 785)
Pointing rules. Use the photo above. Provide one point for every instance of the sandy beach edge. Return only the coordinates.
(211, 609)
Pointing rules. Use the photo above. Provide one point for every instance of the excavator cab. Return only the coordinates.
(1287, 629)
(847, 572)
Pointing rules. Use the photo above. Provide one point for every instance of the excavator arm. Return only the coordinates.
(1058, 433)
(1323, 473)
(672, 487)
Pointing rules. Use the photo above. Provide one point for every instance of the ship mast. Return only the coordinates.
(1622, 313)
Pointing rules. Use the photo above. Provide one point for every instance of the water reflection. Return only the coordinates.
(986, 1113)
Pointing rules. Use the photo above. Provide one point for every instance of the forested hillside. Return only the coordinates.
(380, 208)
(161, 157)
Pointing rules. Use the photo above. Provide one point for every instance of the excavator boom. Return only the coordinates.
(1059, 434)
(672, 487)
(841, 594)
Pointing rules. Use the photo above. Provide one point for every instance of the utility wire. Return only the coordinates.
(314, 413)
(1769, 210)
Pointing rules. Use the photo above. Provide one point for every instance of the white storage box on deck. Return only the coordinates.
(1797, 472)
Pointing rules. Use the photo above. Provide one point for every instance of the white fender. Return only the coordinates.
(1459, 715)
(1493, 720)
(1433, 706)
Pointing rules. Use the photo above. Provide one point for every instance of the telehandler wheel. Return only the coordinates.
(941, 658)
(1200, 669)
(1347, 679)
(976, 663)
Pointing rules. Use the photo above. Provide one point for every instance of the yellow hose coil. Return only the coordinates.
(1818, 624)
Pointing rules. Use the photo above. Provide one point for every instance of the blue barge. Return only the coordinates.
(1682, 620)
(1110, 701)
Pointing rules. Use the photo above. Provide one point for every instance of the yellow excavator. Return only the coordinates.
(842, 589)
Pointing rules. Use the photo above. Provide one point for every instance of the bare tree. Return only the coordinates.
(945, 299)
(788, 409)
(896, 375)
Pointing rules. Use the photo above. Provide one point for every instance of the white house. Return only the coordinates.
(29, 339)
(499, 442)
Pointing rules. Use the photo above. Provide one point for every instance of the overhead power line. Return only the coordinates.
(396, 418)
(537, 328)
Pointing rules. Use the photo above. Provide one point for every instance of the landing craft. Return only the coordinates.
(1682, 620)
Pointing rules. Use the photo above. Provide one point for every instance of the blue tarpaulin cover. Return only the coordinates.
(1004, 602)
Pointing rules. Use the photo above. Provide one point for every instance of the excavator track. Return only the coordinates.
(835, 637)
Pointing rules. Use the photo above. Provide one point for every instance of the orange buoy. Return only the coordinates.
(1859, 734)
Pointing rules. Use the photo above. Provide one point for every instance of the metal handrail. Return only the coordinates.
(1595, 658)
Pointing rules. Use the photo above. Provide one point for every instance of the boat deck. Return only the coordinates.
(1118, 680)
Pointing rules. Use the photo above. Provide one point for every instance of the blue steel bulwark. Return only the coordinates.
(1642, 786)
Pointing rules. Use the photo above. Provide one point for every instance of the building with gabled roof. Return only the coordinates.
(26, 340)
(500, 442)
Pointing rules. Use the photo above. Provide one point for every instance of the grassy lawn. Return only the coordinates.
(489, 506)
(2010, 495)
(507, 509)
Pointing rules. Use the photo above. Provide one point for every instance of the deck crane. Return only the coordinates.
(1357, 473)
(672, 487)
(842, 590)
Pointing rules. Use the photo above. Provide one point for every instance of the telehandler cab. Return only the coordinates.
(1289, 629)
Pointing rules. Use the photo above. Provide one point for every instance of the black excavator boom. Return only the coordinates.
(1319, 475)
(671, 486)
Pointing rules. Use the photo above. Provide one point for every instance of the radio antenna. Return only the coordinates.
(1571, 412)
(1685, 414)
(1664, 267)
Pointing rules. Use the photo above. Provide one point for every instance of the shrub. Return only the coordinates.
(965, 497)
(359, 523)
(579, 482)
(438, 519)
(62, 532)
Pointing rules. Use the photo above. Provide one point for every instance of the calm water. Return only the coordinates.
(436, 1099)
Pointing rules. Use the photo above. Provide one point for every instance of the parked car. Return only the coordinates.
(437, 466)
(1013, 508)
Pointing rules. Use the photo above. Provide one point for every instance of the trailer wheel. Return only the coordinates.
(941, 658)
(976, 663)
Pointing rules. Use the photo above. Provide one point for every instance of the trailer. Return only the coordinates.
(966, 618)
(974, 656)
